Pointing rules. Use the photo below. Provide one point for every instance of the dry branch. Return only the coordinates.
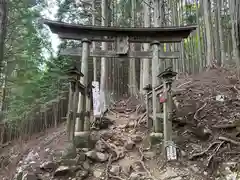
(214, 153)
(200, 154)
(222, 138)
(238, 91)
(183, 84)
(224, 126)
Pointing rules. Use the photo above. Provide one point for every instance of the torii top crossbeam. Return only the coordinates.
(137, 35)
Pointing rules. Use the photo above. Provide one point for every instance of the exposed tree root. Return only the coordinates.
(107, 167)
(196, 113)
(215, 150)
(114, 149)
(141, 161)
(115, 177)
(139, 120)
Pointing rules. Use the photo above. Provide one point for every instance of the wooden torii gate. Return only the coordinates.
(124, 36)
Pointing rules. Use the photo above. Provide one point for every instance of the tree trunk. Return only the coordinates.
(199, 54)
(3, 24)
(94, 43)
(207, 20)
(103, 99)
(146, 62)
(234, 13)
(132, 62)
(221, 39)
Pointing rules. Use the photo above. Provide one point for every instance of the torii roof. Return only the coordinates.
(98, 33)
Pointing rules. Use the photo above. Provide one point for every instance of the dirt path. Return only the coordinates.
(205, 130)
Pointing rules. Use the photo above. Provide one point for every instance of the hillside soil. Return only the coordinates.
(206, 130)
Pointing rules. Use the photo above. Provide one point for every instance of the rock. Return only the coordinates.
(195, 168)
(48, 166)
(137, 138)
(62, 171)
(122, 126)
(80, 157)
(85, 149)
(131, 124)
(82, 174)
(115, 170)
(129, 144)
(30, 176)
(169, 173)
(126, 170)
(149, 154)
(97, 156)
(70, 151)
(86, 165)
(32, 156)
(231, 165)
(177, 178)
(100, 146)
(83, 140)
(98, 173)
(107, 134)
(18, 175)
(156, 138)
(68, 162)
(137, 167)
(134, 176)
(183, 153)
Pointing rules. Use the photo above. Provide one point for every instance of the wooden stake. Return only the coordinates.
(84, 81)
(93, 43)
(69, 118)
(155, 47)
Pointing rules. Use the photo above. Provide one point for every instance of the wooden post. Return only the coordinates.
(165, 112)
(55, 113)
(155, 49)
(69, 114)
(84, 81)
(74, 109)
(88, 108)
(132, 63)
(147, 89)
(2, 131)
(103, 99)
(93, 43)
(169, 147)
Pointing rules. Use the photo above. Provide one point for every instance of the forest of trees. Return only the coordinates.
(30, 79)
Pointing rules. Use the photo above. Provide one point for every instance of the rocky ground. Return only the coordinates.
(206, 131)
